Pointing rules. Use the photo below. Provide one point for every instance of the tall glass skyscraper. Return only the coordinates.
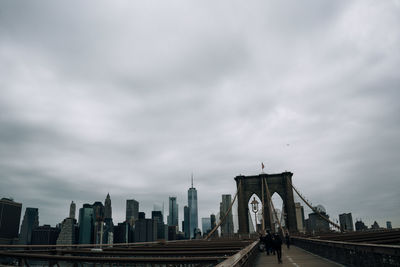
(86, 223)
(193, 211)
(173, 212)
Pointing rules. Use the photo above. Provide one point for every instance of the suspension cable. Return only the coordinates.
(226, 214)
(273, 208)
(314, 209)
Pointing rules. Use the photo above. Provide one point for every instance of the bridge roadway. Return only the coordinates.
(294, 257)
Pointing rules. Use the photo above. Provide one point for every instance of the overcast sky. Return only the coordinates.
(131, 97)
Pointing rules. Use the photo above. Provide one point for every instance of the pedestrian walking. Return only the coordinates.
(287, 240)
(277, 244)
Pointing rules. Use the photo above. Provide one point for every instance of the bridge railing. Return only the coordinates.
(244, 258)
(351, 254)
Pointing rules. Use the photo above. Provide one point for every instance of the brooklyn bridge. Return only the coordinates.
(337, 248)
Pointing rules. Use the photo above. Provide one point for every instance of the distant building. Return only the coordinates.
(360, 226)
(30, 222)
(108, 229)
(86, 224)
(346, 222)
(172, 232)
(132, 211)
(299, 217)
(186, 222)
(206, 224)
(389, 225)
(316, 224)
(173, 212)
(68, 233)
(107, 207)
(227, 225)
(9, 225)
(162, 231)
(123, 233)
(213, 225)
(145, 230)
(45, 235)
(375, 226)
(159, 207)
(98, 216)
(193, 210)
(72, 210)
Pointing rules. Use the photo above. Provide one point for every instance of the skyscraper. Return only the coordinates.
(72, 209)
(108, 231)
(299, 217)
(45, 235)
(9, 225)
(206, 224)
(86, 223)
(346, 222)
(107, 208)
(98, 215)
(227, 225)
(193, 211)
(30, 222)
(132, 211)
(186, 222)
(173, 212)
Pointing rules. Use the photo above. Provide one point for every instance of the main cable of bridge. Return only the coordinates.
(226, 215)
(314, 209)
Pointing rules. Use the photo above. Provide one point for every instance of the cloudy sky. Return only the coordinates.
(131, 97)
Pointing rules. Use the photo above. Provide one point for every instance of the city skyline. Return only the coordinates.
(133, 105)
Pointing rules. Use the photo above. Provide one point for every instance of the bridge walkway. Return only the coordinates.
(294, 257)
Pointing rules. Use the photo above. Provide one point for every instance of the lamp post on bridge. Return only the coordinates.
(254, 207)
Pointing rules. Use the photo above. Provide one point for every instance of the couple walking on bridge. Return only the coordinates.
(272, 244)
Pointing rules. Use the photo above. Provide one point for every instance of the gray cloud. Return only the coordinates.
(131, 98)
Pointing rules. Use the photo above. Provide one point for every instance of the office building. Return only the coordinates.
(193, 211)
(315, 224)
(206, 224)
(186, 222)
(45, 235)
(68, 233)
(346, 222)
(72, 209)
(86, 224)
(227, 224)
(360, 226)
(108, 229)
(158, 217)
(173, 212)
(299, 217)
(375, 226)
(123, 233)
(107, 207)
(132, 211)
(30, 222)
(144, 230)
(9, 225)
(389, 225)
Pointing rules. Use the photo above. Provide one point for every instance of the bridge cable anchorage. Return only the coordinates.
(315, 210)
(226, 215)
(273, 208)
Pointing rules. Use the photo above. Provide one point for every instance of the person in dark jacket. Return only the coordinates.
(269, 243)
(287, 240)
(277, 244)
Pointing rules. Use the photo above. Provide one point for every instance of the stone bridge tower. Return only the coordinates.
(279, 183)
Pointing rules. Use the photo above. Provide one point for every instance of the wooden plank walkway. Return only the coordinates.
(294, 257)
